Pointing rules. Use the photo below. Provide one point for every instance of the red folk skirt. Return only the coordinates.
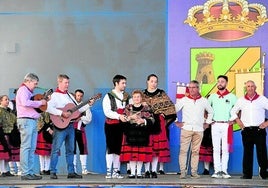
(161, 143)
(42, 147)
(3, 154)
(15, 153)
(136, 153)
(206, 154)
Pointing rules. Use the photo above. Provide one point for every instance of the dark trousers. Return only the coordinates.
(254, 136)
(80, 139)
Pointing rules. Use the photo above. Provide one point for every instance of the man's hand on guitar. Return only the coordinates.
(91, 102)
(70, 112)
(50, 131)
(66, 114)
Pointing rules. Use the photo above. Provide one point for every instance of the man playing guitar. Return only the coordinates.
(59, 99)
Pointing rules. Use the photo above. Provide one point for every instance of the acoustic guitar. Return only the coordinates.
(61, 122)
(39, 97)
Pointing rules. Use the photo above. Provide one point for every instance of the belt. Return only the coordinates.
(252, 127)
(26, 118)
(112, 121)
(221, 121)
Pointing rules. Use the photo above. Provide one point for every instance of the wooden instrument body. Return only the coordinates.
(61, 122)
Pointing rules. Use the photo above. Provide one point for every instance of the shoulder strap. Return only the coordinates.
(72, 98)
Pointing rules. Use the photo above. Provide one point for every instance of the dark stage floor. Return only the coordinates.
(163, 181)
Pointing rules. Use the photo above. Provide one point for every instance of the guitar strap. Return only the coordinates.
(75, 104)
(72, 98)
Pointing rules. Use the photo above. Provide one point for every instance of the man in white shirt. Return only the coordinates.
(192, 127)
(60, 99)
(252, 123)
(80, 134)
(113, 105)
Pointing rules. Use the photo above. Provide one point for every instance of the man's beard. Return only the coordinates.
(221, 88)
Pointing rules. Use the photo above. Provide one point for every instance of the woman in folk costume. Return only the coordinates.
(44, 142)
(165, 113)
(14, 164)
(7, 122)
(206, 150)
(137, 146)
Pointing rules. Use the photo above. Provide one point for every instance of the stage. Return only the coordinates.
(163, 181)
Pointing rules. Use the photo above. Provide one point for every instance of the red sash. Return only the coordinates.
(114, 121)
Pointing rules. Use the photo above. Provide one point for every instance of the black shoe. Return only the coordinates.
(42, 172)
(147, 174)
(30, 177)
(206, 172)
(263, 175)
(53, 176)
(3, 174)
(129, 172)
(27, 177)
(178, 173)
(154, 175)
(74, 176)
(37, 177)
(245, 177)
(46, 172)
(131, 176)
(161, 172)
(9, 174)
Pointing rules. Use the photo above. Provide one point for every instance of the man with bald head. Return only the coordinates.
(252, 123)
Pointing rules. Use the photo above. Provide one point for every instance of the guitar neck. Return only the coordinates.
(98, 96)
(77, 107)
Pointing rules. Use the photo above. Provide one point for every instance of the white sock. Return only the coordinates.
(42, 162)
(154, 164)
(12, 166)
(147, 166)
(206, 165)
(128, 166)
(6, 165)
(83, 159)
(2, 165)
(139, 166)
(18, 166)
(116, 162)
(47, 163)
(109, 162)
(161, 166)
(132, 165)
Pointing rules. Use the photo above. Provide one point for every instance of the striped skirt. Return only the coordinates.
(43, 147)
(136, 153)
(161, 143)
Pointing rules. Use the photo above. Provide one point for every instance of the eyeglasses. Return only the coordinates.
(192, 87)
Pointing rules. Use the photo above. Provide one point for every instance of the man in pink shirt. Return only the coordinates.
(27, 123)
